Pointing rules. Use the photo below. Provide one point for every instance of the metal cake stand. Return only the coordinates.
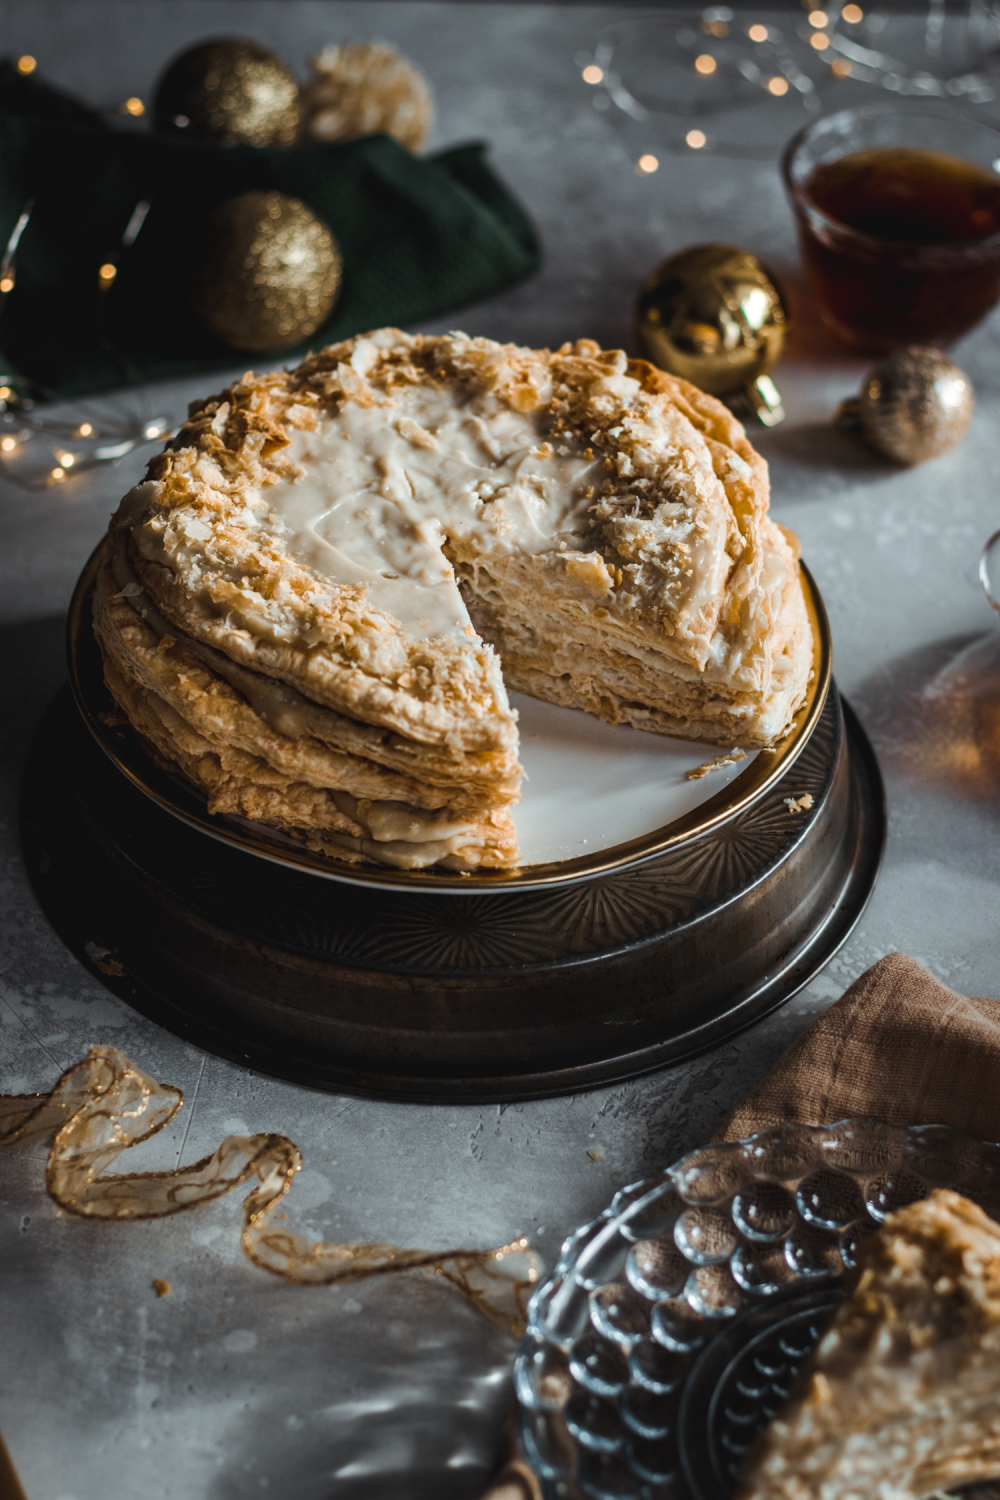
(408, 995)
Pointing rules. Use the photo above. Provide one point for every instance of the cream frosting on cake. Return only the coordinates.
(313, 601)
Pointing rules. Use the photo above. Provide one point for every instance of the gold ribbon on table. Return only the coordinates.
(103, 1105)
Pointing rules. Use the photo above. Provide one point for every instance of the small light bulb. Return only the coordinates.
(8, 444)
(705, 64)
(26, 64)
(66, 459)
(58, 474)
(6, 284)
(852, 14)
(134, 106)
(107, 273)
(820, 41)
(85, 430)
(5, 392)
(818, 18)
(696, 139)
(757, 33)
(841, 68)
(593, 74)
(152, 430)
(647, 164)
(777, 86)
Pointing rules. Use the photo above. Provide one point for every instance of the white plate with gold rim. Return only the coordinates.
(597, 798)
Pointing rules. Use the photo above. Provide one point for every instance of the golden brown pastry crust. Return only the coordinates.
(312, 747)
(902, 1397)
(191, 720)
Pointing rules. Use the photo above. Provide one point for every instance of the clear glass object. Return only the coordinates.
(667, 1333)
(926, 52)
(989, 570)
(658, 75)
(929, 281)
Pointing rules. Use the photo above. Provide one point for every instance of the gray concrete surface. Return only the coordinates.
(236, 1384)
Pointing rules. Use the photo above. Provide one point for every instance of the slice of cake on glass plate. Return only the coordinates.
(901, 1398)
(311, 605)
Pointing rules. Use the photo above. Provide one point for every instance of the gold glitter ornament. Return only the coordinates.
(713, 314)
(363, 88)
(272, 276)
(913, 405)
(229, 90)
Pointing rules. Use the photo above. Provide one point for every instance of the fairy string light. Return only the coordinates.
(29, 441)
(8, 275)
(724, 61)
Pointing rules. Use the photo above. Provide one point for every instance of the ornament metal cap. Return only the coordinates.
(714, 315)
(912, 406)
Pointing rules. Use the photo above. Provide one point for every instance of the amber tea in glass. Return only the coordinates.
(899, 221)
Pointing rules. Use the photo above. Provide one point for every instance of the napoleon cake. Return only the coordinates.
(311, 606)
(902, 1396)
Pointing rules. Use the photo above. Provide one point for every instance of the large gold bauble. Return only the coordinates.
(229, 90)
(913, 405)
(713, 314)
(272, 275)
(364, 87)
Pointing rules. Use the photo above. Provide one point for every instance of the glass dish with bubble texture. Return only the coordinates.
(668, 1332)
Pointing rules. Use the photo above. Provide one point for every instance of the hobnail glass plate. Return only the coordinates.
(667, 1334)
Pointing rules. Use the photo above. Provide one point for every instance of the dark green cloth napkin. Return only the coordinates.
(419, 236)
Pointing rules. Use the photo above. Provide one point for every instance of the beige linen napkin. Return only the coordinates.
(898, 1045)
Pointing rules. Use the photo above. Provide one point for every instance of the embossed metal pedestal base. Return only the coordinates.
(489, 997)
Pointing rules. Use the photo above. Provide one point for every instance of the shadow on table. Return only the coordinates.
(32, 667)
(816, 445)
(821, 445)
(403, 1400)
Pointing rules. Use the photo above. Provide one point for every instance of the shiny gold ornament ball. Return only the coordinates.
(366, 87)
(913, 405)
(713, 314)
(272, 276)
(232, 91)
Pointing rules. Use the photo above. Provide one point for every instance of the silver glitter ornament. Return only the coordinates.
(913, 405)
